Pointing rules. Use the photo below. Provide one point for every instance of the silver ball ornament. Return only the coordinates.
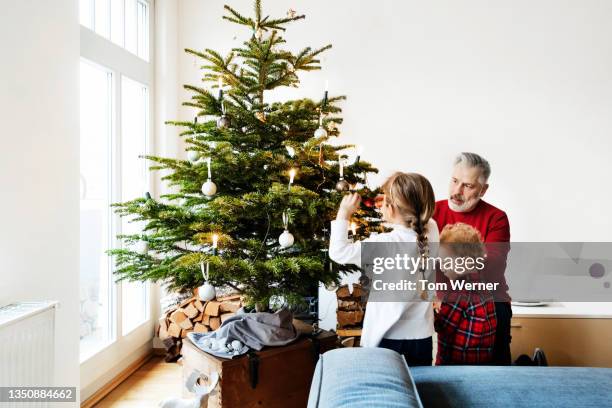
(193, 156)
(320, 132)
(286, 239)
(223, 122)
(209, 188)
(207, 292)
(342, 185)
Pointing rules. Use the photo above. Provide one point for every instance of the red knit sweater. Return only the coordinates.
(493, 225)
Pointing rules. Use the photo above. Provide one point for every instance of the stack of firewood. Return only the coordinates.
(193, 315)
(351, 309)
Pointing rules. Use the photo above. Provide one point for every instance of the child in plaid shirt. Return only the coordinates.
(465, 320)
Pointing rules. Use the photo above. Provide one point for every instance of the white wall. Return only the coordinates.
(39, 165)
(526, 84)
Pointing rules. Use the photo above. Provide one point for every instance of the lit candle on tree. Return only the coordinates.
(209, 188)
(291, 177)
(326, 93)
(220, 84)
(215, 241)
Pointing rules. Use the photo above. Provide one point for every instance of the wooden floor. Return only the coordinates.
(151, 383)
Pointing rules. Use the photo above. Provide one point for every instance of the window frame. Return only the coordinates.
(121, 63)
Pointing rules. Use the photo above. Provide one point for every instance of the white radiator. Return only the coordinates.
(27, 346)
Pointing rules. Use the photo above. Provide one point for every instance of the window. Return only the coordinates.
(116, 99)
(124, 22)
(134, 182)
(96, 229)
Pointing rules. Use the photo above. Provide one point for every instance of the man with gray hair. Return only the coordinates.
(468, 184)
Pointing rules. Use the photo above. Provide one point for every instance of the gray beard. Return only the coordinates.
(465, 207)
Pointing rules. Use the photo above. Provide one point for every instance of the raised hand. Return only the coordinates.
(348, 206)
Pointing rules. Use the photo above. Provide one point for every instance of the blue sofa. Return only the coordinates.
(376, 377)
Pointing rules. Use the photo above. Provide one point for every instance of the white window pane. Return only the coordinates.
(103, 18)
(143, 30)
(134, 183)
(135, 305)
(134, 133)
(131, 26)
(86, 13)
(117, 22)
(95, 226)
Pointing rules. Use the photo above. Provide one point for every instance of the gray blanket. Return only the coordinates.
(247, 330)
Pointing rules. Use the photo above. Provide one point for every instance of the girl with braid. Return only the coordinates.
(408, 206)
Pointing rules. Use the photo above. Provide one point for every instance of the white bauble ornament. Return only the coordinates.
(207, 292)
(223, 122)
(209, 188)
(286, 239)
(237, 345)
(142, 247)
(193, 156)
(320, 132)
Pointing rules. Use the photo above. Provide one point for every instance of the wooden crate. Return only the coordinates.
(283, 379)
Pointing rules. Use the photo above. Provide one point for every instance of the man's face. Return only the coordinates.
(465, 189)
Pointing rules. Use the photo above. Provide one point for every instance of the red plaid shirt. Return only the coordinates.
(466, 325)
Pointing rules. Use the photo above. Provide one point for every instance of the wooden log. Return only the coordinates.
(212, 308)
(186, 324)
(200, 328)
(186, 302)
(357, 291)
(199, 305)
(174, 330)
(163, 328)
(229, 306)
(349, 305)
(234, 296)
(206, 320)
(348, 332)
(198, 318)
(170, 310)
(349, 318)
(184, 332)
(190, 311)
(178, 316)
(343, 292)
(215, 323)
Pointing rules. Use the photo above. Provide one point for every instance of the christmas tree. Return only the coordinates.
(254, 201)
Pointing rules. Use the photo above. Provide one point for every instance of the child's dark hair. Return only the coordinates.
(413, 197)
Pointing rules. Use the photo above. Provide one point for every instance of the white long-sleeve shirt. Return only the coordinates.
(391, 320)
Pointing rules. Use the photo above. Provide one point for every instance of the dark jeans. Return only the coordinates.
(501, 348)
(416, 352)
